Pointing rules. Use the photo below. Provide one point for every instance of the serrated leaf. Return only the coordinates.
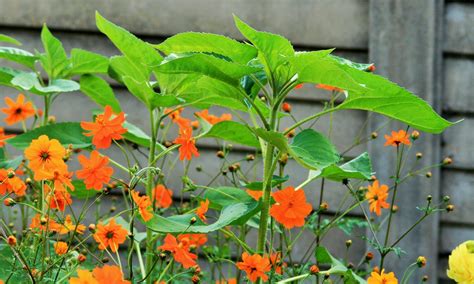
(98, 90)
(67, 133)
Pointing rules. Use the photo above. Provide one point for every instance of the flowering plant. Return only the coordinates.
(159, 233)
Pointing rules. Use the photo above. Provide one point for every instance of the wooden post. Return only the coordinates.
(405, 45)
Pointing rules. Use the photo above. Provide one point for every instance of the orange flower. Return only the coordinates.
(44, 224)
(327, 87)
(180, 251)
(277, 263)
(212, 119)
(144, 205)
(382, 278)
(228, 281)
(45, 157)
(4, 137)
(255, 266)
(194, 240)
(83, 277)
(110, 235)
(60, 248)
(290, 208)
(162, 196)
(377, 196)
(175, 116)
(187, 142)
(17, 111)
(105, 128)
(62, 179)
(11, 184)
(299, 86)
(109, 274)
(69, 226)
(202, 210)
(58, 198)
(397, 138)
(95, 171)
(256, 194)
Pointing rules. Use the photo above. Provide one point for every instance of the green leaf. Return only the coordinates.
(387, 98)
(67, 133)
(258, 185)
(138, 136)
(318, 68)
(358, 168)
(205, 64)
(98, 90)
(223, 196)
(6, 76)
(234, 132)
(208, 43)
(9, 39)
(181, 223)
(86, 62)
(359, 66)
(11, 164)
(19, 56)
(314, 150)
(28, 81)
(55, 59)
(147, 95)
(337, 267)
(273, 50)
(275, 138)
(140, 53)
(80, 190)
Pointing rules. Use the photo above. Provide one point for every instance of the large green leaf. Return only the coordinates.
(144, 92)
(181, 223)
(140, 53)
(86, 62)
(314, 149)
(6, 76)
(223, 196)
(19, 56)
(208, 43)
(258, 185)
(234, 132)
(357, 168)
(205, 64)
(275, 138)
(67, 133)
(55, 59)
(28, 81)
(99, 91)
(9, 39)
(387, 98)
(273, 50)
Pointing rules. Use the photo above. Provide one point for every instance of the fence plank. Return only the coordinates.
(458, 186)
(458, 85)
(459, 29)
(457, 142)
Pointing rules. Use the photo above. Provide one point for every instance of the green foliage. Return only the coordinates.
(67, 133)
(233, 132)
(337, 267)
(28, 81)
(9, 39)
(86, 62)
(11, 164)
(357, 168)
(81, 192)
(135, 135)
(54, 60)
(220, 197)
(19, 56)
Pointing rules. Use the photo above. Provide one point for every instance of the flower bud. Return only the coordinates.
(447, 161)
(348, 243)
(195, 124)
(446, 198)
(429, 198)
(11, 240)
(419, 155)
(425, 278)
(283, 159)
(395, 209)
(286, 107)
(43, 220)
(376, 269)
(374, 135)
(51, 119)
(9, 202)
(415, 135)
(11, 174)
(81, 258)
(199, 168)
(162, 255)
(324, 206)
(250, 157)
(369, 256)
(291, 134)
(168, 144)
(421, 261)
(193, 220)
(371, 68)
(220, 154)
(450, 208)
(428, 174)
(105, 259)
(314, 269)
(92, 228)
(195, 279)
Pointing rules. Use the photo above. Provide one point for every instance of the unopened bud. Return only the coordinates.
(250, 157)
(348, 243)
(43, 221)
(11, 174)
(421, 261)
(220, 154)
(9, 202)
(105, 259)
(314, 269)
(425, 278)
(193, 220)
(429, 198)
(81, 258)
(92, 228)
(419, 155)
(374, 135)
(286, 107)
(450, 208)
(415, 135)
(369, 256)
(195, 279)
(447, 161)
(283, 159)
(11, 240)
(428, 174)
(324, 206)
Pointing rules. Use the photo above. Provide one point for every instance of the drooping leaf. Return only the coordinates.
(81, 192)
(314, 150)
(55, 59)
(357, 168)
(9, 39)
(6, 76)
(208, 43)
(234, 132)
(223, 196)
(181, 223)
(19, 56)
(358, 66)
(275, 138)
(144, 92)
(28, 81)
(98, 90)
(138, 136)
(86, 62)
(67, 133)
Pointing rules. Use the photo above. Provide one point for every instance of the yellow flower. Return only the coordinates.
(461, 263)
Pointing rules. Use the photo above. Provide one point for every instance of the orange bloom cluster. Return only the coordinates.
(10, 183)
(44, 224)
(382, 278)
(4, 137)
(18, 110)
(255, 266)
(162, 196)
(290, 208)
(212, 119)
(95, 171)
(106, 274)
(46, 157)
(60, 248)
(105, 128)
(194, 240)
(377, 196)
(175, 116)
(180, 250)
(228, 281)
(397, 138)
(144, 205)
(69, 226)
(110, 235)
(187, 142)
(58, 198)
(202, 210)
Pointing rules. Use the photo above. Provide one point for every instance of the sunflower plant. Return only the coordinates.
(243, 223)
